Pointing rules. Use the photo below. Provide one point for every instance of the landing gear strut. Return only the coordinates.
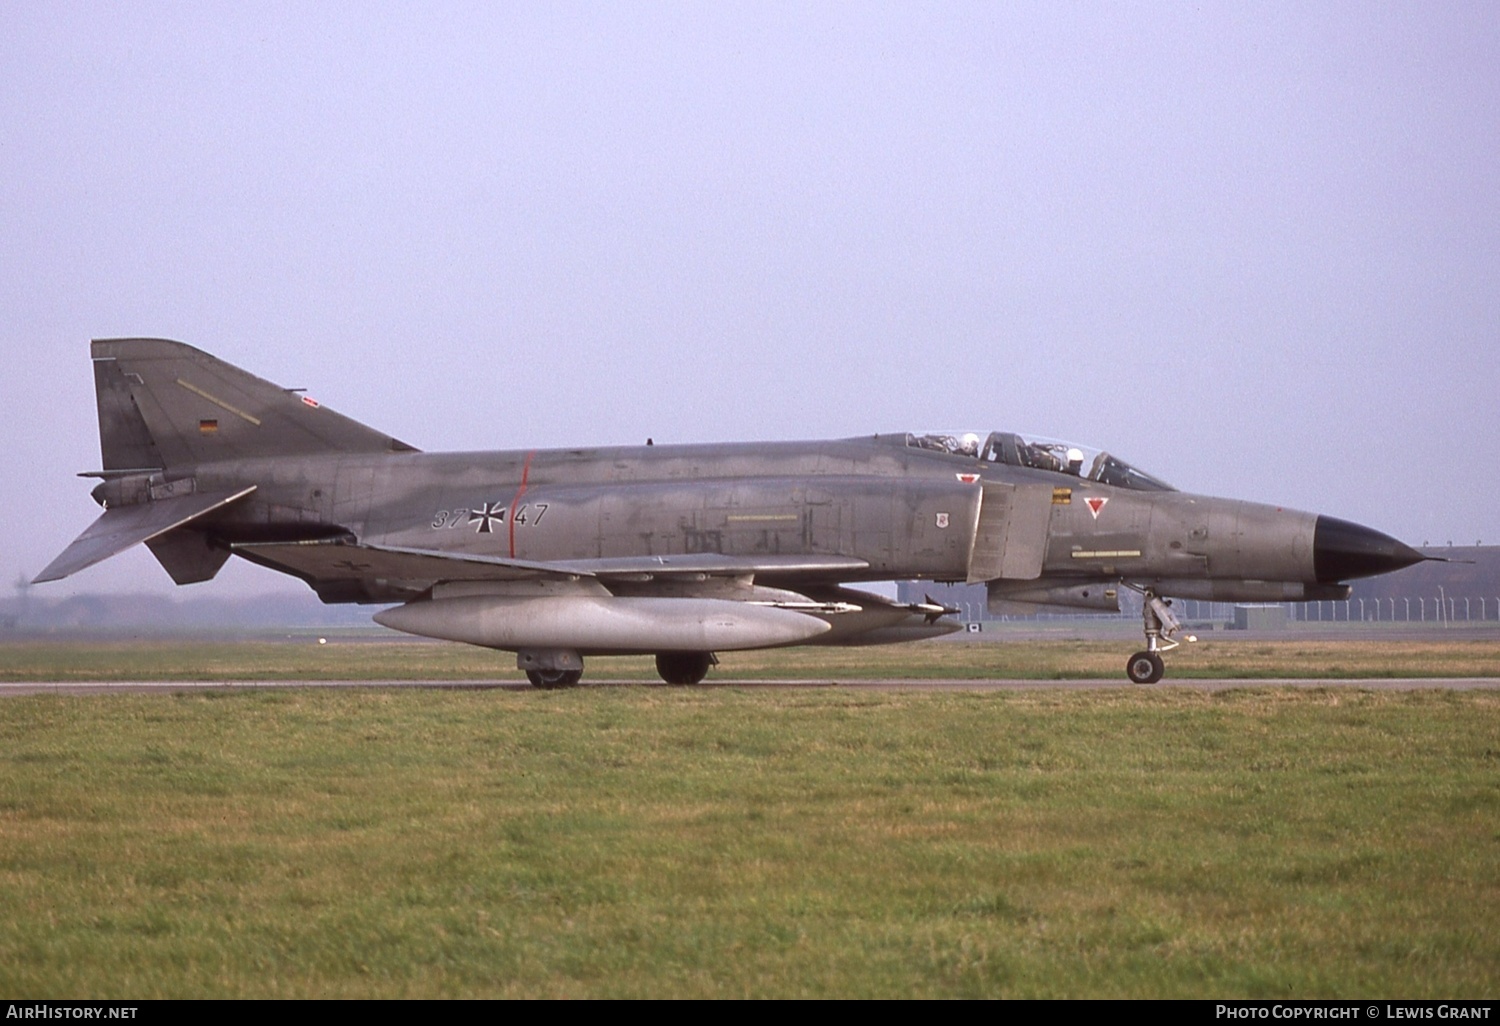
(1160, 623)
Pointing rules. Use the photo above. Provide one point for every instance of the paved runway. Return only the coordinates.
(169, 687)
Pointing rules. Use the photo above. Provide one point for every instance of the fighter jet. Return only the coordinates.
(677, 551)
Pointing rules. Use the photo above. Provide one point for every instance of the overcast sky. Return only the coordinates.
(1254, 248)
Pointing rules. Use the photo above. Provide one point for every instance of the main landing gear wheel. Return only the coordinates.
(550, 679)
(684, 667)
(1145, 668)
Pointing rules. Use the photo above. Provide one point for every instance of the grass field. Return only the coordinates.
(305, 659)
(653, 841)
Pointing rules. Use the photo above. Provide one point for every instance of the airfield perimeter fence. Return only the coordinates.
(1406, 609)
(1437, 609)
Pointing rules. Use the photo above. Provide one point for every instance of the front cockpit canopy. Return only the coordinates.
(1039, 453)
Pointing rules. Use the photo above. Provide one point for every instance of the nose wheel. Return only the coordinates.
(1160, 624)
(1145, 668)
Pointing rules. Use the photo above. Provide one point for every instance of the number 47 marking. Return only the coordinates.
(541, 510)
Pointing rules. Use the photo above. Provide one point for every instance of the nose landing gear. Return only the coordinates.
(1160, 624)
(1145, 668)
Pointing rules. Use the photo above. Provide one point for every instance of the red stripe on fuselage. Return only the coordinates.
(525, 472)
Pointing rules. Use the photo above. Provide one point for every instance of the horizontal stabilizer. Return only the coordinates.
(119, 528)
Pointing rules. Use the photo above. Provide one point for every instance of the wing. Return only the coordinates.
(390, 573)
(713, 564)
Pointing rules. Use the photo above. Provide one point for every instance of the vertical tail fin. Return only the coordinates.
(164, 404)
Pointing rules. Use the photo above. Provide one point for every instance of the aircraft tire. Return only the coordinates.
(1145, 668)
(683, 667)
(550, 679)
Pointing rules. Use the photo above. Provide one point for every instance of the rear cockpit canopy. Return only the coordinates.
(1040, 453)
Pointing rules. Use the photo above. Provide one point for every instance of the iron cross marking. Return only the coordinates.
(487, 516)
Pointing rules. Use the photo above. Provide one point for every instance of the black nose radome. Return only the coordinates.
(1342, 550)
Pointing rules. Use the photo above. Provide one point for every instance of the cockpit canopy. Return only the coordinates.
(1040, 453)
